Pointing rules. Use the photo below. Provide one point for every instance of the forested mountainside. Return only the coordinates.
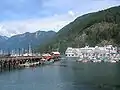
(99, 28)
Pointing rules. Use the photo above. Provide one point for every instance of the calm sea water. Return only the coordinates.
(63, 75)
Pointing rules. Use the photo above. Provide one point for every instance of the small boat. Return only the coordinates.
(84, 61)
(97, 61)
(27, 64)
(79, 60)
(112, 61)
(48, 61)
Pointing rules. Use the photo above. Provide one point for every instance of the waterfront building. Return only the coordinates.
(90, 51)
(72, 52)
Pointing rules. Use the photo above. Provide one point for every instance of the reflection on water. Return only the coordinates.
(64, 75)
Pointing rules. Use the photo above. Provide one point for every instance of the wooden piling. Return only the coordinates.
(8, 63)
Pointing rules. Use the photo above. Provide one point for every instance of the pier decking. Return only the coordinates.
(16, 62)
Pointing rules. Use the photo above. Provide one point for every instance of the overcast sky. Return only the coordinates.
(19, 16)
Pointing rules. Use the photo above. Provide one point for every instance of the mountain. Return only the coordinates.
(23, 40)
(98, 28)
(3, 38)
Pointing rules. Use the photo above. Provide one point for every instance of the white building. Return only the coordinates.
(76, 52)
(72, 52)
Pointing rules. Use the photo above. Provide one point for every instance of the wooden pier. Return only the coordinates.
(8, 63)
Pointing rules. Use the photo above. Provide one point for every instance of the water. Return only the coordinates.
(63, 75)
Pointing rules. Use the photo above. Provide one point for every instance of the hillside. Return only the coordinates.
(23, 40)
(99, 28)
(3, 38)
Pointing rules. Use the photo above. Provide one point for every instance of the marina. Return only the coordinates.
(86, 71)
(60, 45)
(94, 54)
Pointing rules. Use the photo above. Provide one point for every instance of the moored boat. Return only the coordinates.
(28, 64)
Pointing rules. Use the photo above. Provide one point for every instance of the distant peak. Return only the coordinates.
(4, 37)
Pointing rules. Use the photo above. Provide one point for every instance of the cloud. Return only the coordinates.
(71, 13)
(56, 22)
(19, 16)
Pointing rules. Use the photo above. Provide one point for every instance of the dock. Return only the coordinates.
(8, 63)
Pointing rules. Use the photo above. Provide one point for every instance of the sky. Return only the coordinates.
(20, 16)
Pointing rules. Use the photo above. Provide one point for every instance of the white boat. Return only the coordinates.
(79, 60)
(112, 61)
(27, 64)
(97, 61)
